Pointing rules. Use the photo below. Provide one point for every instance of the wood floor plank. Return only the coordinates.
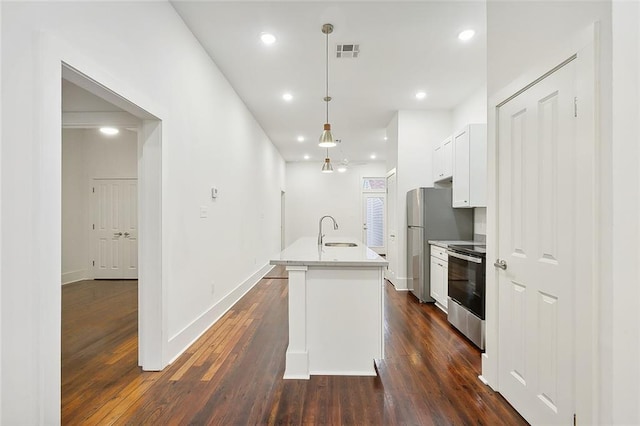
(233, 374)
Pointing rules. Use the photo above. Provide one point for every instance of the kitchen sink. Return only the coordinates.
(341, 244)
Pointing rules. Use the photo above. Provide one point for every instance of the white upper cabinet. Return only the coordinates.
(443, 160)
(470, 166)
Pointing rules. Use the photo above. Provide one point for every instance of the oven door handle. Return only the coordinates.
(464, 256)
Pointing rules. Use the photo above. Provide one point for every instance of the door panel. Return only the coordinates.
(116, 229)
(536, 187)
(129, 210)
(107, 230)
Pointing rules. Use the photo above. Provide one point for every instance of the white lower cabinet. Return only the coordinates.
(439, 276)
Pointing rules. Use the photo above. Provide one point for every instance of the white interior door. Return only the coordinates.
(373, 212)
(115, 229)
(392, 228)
(536, 210)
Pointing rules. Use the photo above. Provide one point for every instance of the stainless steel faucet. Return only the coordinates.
(320, 234)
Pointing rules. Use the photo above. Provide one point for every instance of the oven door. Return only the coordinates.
(466, 281)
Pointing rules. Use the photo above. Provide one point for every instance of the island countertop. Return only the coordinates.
(306, 252)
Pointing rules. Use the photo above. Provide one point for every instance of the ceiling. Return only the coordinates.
(405, 47)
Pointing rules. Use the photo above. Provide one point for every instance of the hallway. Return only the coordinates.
(233, 374)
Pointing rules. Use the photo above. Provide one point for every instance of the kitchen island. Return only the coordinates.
(336, 308)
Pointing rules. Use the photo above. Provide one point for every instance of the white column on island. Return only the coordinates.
(297, 358)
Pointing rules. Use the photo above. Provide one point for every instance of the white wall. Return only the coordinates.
(417, 133)
(519, 46)
(472, 110)
(1, 273)
(145, 53)
(621, 366)
(311, 194)
(86, 155)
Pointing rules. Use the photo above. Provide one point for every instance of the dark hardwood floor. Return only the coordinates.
(233, 374)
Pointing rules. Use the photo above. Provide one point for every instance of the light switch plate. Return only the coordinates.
(203, 212)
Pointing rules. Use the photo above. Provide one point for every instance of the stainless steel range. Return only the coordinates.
(466, 288)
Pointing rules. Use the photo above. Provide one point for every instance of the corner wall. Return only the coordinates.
(209, 138)
(416, 135)
(623, 373)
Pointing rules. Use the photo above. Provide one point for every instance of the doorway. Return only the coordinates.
(147, 161)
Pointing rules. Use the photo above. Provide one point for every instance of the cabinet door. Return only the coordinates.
(438, 281)
(446, 157)
(461, 169)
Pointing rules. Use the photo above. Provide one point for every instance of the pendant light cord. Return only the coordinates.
(327, 76)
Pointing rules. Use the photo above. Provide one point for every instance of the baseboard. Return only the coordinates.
(400, 284)
(75, 276)
(188, 335)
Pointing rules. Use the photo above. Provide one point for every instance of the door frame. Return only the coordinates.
(585, 46)
(363, 214)
(392, 255)
(364, 194)
(57, 59)
(283, 200)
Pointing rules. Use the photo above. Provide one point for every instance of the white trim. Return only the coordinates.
(585, 44)
(192, 332)
(364, 373)
(75, 276)
(51, 54)
(94, 120)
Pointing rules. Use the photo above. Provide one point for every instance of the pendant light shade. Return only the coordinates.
(327, 167)
(326, 139)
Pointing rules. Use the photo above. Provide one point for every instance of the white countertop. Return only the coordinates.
(445, 244)
(306, 252)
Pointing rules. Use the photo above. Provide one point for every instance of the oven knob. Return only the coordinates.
(500, 264)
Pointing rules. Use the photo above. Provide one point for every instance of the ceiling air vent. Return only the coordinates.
(347, 51)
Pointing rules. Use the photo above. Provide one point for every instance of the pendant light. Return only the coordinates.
(326, 139)
(327, 167)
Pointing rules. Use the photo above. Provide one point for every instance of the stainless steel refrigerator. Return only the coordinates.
(431, 217)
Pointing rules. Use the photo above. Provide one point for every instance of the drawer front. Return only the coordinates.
(440, 253)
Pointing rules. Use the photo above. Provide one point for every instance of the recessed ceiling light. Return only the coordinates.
(267, 38)
(287, 97)
(466, 35)
(300, 138)
(342, 168)
(373, 156)
(306, 156)
(385, 138)
(421, 95)
(109, 131)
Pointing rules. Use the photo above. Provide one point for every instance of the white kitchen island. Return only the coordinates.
(336, 308)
